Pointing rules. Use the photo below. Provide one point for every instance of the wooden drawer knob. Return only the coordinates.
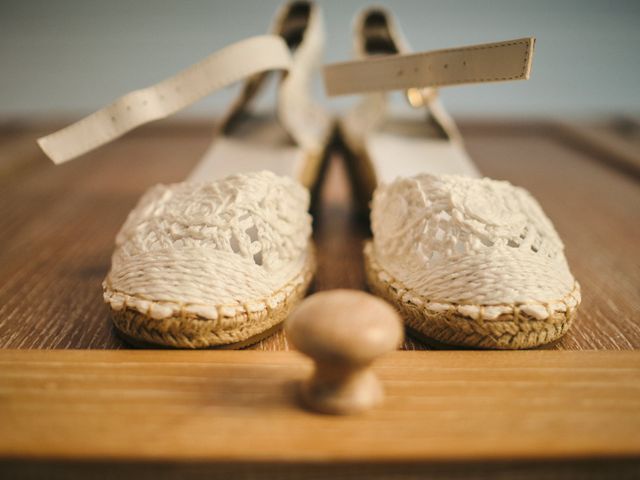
(343, 331)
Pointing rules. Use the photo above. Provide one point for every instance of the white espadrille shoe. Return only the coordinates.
(219, 259)
(199, 264)
(467, 260)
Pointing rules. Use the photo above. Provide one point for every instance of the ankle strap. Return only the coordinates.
(491, 62)
(224, 67)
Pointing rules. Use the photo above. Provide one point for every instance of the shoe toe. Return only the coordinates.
(472, 242)
(201, 247)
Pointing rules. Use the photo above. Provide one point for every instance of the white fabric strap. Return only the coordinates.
(491, 62)
(307, 121)
(222, 68)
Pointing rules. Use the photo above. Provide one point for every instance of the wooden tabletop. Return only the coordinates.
(58, 224)
(216, 414)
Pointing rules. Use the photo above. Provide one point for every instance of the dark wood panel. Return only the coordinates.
(575, 469)
(57, 226)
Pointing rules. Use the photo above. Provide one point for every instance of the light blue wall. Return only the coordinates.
(72, 56)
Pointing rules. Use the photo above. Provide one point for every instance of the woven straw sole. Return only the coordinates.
(509, 331)
(243, 328)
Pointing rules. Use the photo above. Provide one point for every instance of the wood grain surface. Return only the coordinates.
(57, 224)
(228, 406)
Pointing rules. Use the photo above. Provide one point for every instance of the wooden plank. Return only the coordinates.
(58, 226)
(616, 142)
(219, 406)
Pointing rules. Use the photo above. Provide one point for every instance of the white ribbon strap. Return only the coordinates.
(490, 62)
(222, 68)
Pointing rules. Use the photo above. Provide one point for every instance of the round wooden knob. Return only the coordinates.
(343, 331)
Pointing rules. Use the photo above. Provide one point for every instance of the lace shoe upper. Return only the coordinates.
(228, 241)
(464, 240)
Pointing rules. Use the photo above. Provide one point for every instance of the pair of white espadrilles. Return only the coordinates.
(221, 258)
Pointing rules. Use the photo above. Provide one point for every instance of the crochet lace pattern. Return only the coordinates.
(200, 248)
(481, 244)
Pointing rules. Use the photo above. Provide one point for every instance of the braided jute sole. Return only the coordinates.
(236, 326)
(513, 330)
